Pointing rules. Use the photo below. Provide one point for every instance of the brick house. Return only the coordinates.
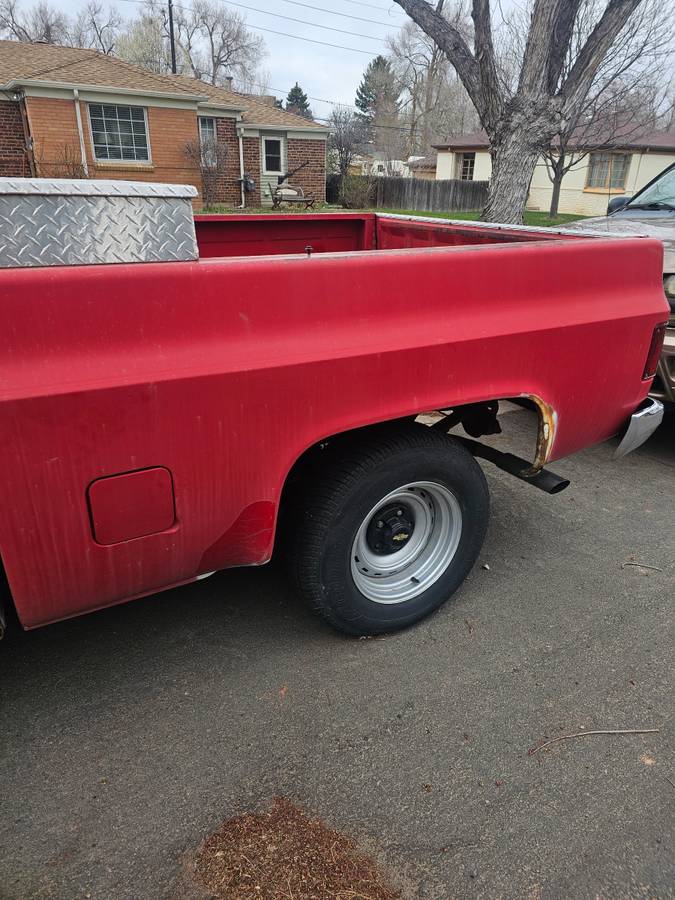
(66, 112)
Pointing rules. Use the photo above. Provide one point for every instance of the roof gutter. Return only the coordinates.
(80, 132)
(319, 131)
(19, 83)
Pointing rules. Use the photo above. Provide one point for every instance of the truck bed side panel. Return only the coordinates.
(223, 372)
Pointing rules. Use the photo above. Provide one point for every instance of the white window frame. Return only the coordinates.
(470, 164)
(282, 154)
(208, 163)
(120, 162)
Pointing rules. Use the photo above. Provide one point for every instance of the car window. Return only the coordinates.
(662, 191)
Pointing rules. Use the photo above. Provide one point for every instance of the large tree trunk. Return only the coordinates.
(513, 162)
(517, 139)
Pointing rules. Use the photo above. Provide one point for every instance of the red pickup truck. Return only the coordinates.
(257, 390)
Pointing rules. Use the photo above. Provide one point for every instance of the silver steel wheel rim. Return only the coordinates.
(394, 577)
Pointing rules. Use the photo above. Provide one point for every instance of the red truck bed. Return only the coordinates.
(262, 235)
(150, 414)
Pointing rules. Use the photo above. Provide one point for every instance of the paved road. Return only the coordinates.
(128, 735)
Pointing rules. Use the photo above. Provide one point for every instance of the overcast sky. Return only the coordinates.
(324, 72)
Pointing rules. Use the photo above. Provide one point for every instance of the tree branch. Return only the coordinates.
(487, 66)
(589, 60)
(451, 42)
(534, 69)
(563, 29)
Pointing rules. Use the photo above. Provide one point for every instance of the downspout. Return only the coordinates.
(28, 140)
(78, 116)
(241, 169)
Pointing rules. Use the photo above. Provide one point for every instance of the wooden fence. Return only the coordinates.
(425, 194)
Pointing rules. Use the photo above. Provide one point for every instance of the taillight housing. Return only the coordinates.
(655, 348)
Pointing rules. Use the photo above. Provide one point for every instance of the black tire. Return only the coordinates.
(345, 482)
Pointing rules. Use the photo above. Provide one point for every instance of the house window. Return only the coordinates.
(608, 171)
(207, 141)
(272, 155)
(467, 161)
(119, 132)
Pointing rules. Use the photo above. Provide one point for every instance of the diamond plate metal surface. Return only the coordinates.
(94, 188)
(66, 223)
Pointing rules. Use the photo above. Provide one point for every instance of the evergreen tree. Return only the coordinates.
(297, 102)
(377, 97)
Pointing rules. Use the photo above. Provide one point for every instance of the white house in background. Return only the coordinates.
(378, 164)
(586, 188)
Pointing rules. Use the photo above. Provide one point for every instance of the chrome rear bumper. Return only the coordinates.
(643, 423)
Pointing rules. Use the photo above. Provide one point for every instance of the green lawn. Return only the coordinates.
(540, 219)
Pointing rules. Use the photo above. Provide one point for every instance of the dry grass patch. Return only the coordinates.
(285, 854)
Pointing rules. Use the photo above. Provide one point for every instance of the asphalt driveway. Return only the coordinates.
(127, 736)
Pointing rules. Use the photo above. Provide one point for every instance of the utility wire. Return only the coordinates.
(331, 12)
(372, 6)
(304, 22)
(279, 90)
(320, 9)
(295, 37)
(268, 87)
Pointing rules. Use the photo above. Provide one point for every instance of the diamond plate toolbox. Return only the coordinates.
(59, 222)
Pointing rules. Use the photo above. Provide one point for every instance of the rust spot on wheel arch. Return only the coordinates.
(548, 420)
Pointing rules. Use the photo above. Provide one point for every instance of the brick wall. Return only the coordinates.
(53, 126)
(228, 190)
(252, 165)
(13, 156)
(312, 179)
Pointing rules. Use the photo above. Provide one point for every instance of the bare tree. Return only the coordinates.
(522, 119)
(63, 161)
(434, 100)
(347, 136)
(96, 28)
(629, 93)
(208, 157)
(216, 43)
(212, 42)
(257, 83)
(41, 22)
(145, 43)
(93, 28)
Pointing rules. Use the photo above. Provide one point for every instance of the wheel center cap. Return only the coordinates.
(390, 529)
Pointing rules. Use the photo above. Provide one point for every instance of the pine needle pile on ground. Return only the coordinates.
(284, 853)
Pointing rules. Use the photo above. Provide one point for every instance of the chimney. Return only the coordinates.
(228, 82)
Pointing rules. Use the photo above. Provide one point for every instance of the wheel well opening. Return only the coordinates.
(475, 419)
